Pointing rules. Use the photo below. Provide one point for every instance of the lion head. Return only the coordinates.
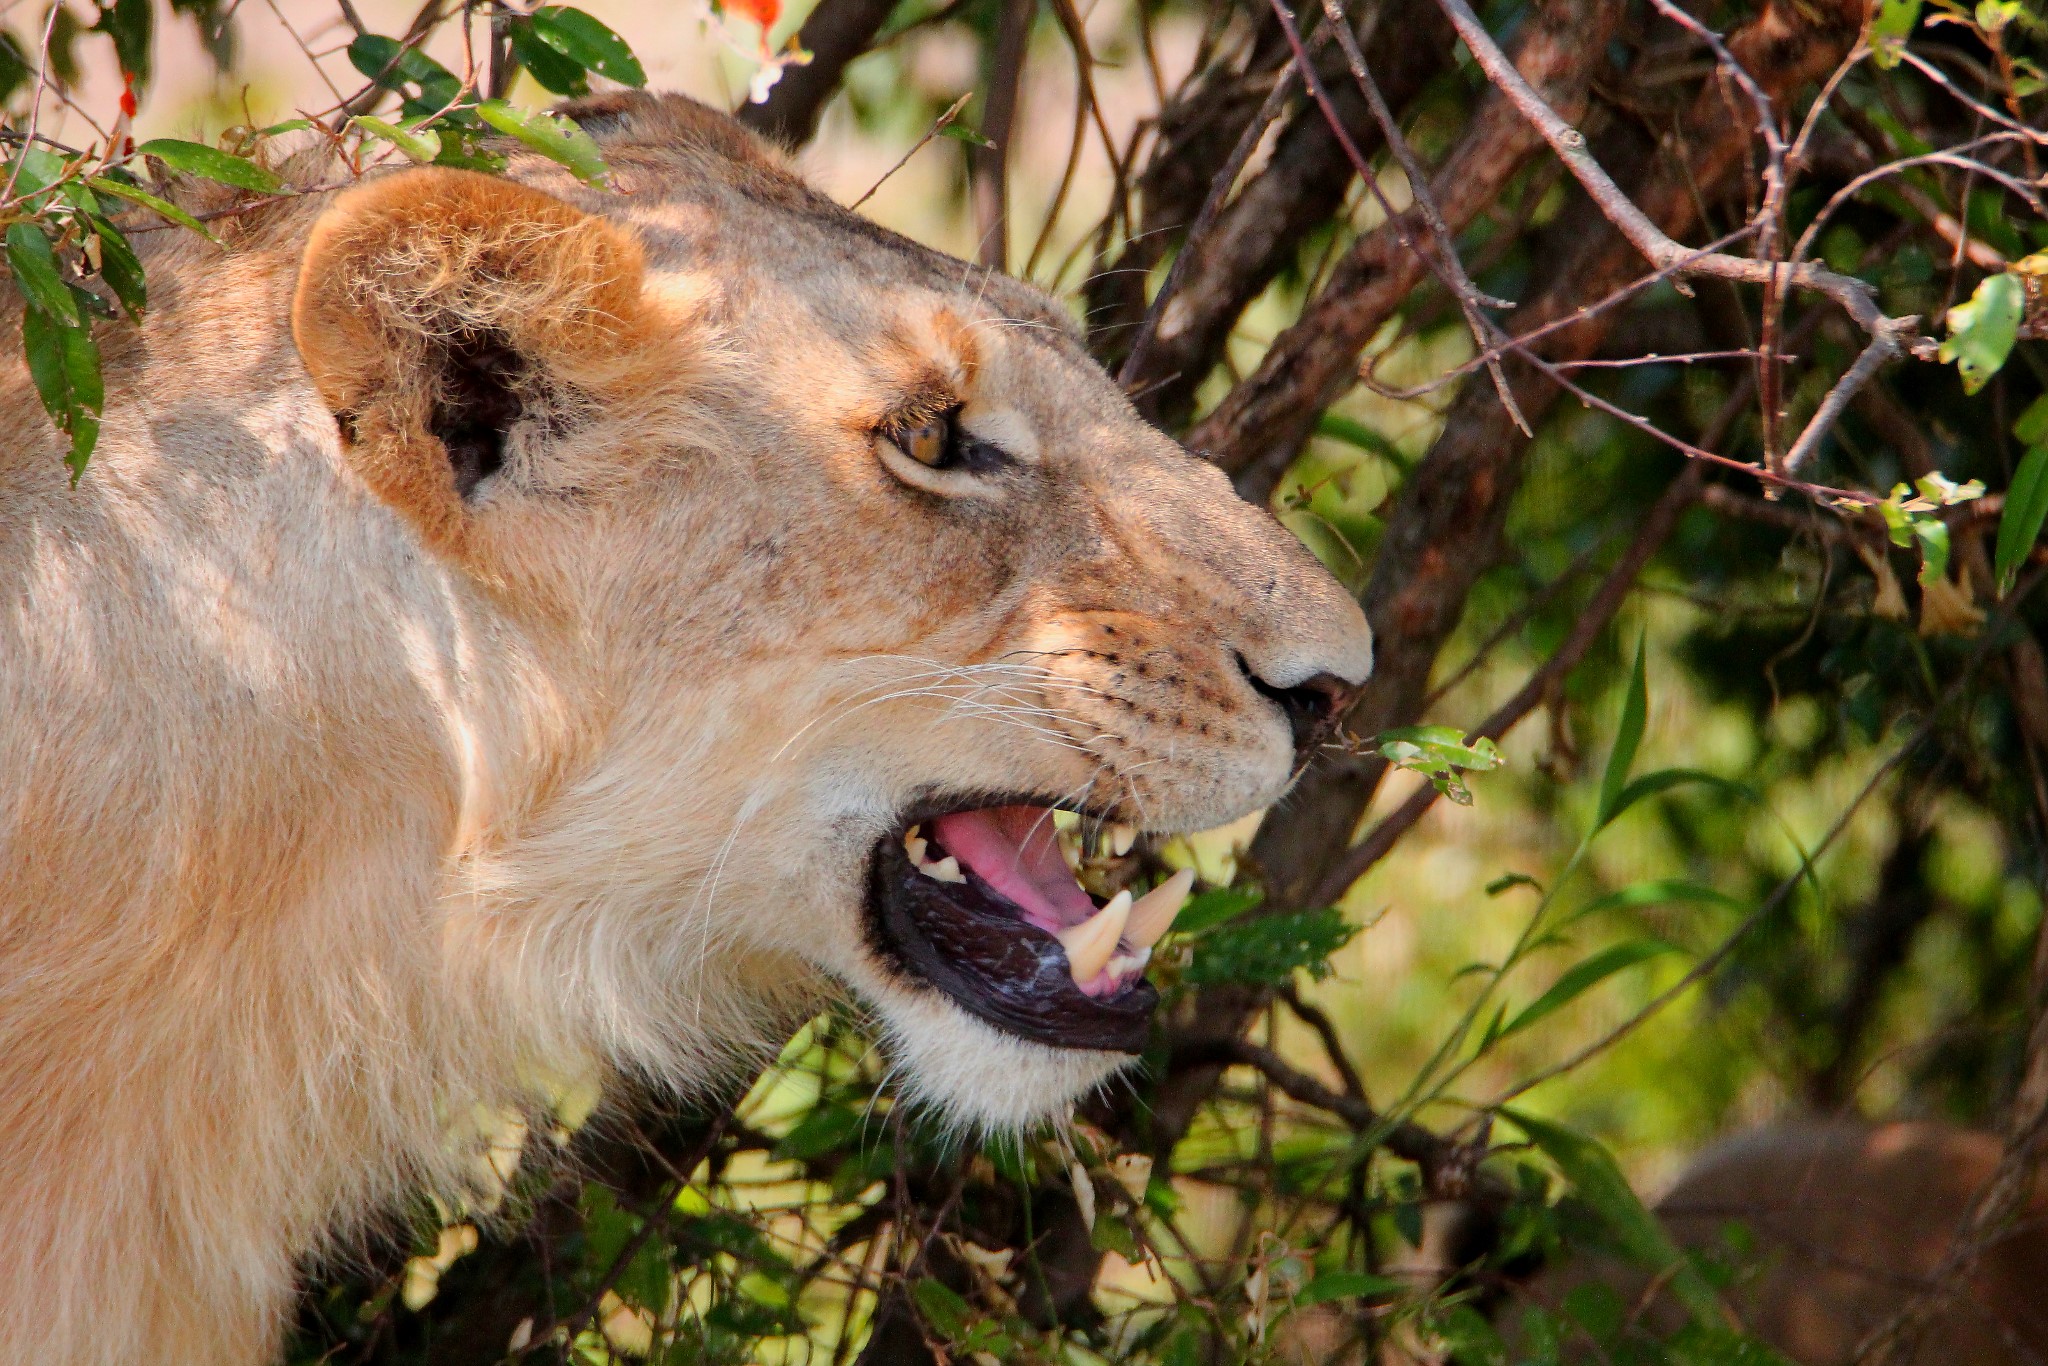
(848, 568)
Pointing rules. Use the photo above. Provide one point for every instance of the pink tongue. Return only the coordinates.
(1012, 849)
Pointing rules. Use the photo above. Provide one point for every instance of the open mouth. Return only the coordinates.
(984, 905)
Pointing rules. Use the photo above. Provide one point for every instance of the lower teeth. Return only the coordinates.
(1128, 963)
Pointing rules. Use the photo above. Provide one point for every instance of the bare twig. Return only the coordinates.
(939, 125)
(1449, 267)
(1889, 339)
(1219, 190)
(35, 108)
(1660, 250)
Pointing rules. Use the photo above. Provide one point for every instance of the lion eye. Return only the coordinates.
(935, 444)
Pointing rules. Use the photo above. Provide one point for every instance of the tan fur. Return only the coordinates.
(340, 809)
(1848, 1221)
(1844, 1221)
(404, 262)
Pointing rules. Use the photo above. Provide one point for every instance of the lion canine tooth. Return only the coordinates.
(1132, 962)
(1153, 915)
(914, 845)
(1092, 943)
(946, 869)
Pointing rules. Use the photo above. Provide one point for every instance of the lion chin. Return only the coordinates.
(517, 638)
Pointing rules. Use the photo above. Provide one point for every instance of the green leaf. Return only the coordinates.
(941, 1307)
(606, 1227)
(824, 1130)
(91, 305)
(1582, 976)
(1111, 1234)
(2031, 427)
(16, 67)
(1939, 489)
(420, 145)
(462, 147)
(1932, 534)
(393, 65)
(1663, 780)
(40, 168)
(1898, 522)
(588, 43)
(64, 363)
(1440, 753)
(960, 132)
(43, 350)
(1894, 24)
(1657, 892)
(1601, 1185)
(553, 136)
(1493, 1029)
(1270, 950)
(149, 201)
(1981, 332)
(1508, 881)
(1994, 15)
(645, 1281)
(560, 74)
(82, 369)
(1597, 1308)
(1470, 1338)
(1628, 736)
(80, 198)
(34, 263)
(120, 268)
(130, 24)
(1206, 910)
(2019, 525)
(1354, 433)
(196, 158)
(1437, 746)
(739, 1316)
(1347, 1285)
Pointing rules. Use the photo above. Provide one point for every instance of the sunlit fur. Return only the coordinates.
(338, 808)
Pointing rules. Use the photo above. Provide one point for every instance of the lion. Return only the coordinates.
(1838, 1225)
(1825, 1229)
(515, 632)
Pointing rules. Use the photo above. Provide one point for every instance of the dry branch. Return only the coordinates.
(1262, 424)
(1256, 233)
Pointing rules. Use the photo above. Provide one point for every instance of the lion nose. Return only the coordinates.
(1311, 706)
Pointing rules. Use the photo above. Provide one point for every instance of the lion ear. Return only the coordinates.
(437, 308)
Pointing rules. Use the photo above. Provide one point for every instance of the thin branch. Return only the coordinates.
(939, 126)
(1219, 190)
(1449, 1168)
(1891, 336)
(35, 109)
(1451, 269)
(1855, 297)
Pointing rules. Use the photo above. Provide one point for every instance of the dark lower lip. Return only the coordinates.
(966, 943)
